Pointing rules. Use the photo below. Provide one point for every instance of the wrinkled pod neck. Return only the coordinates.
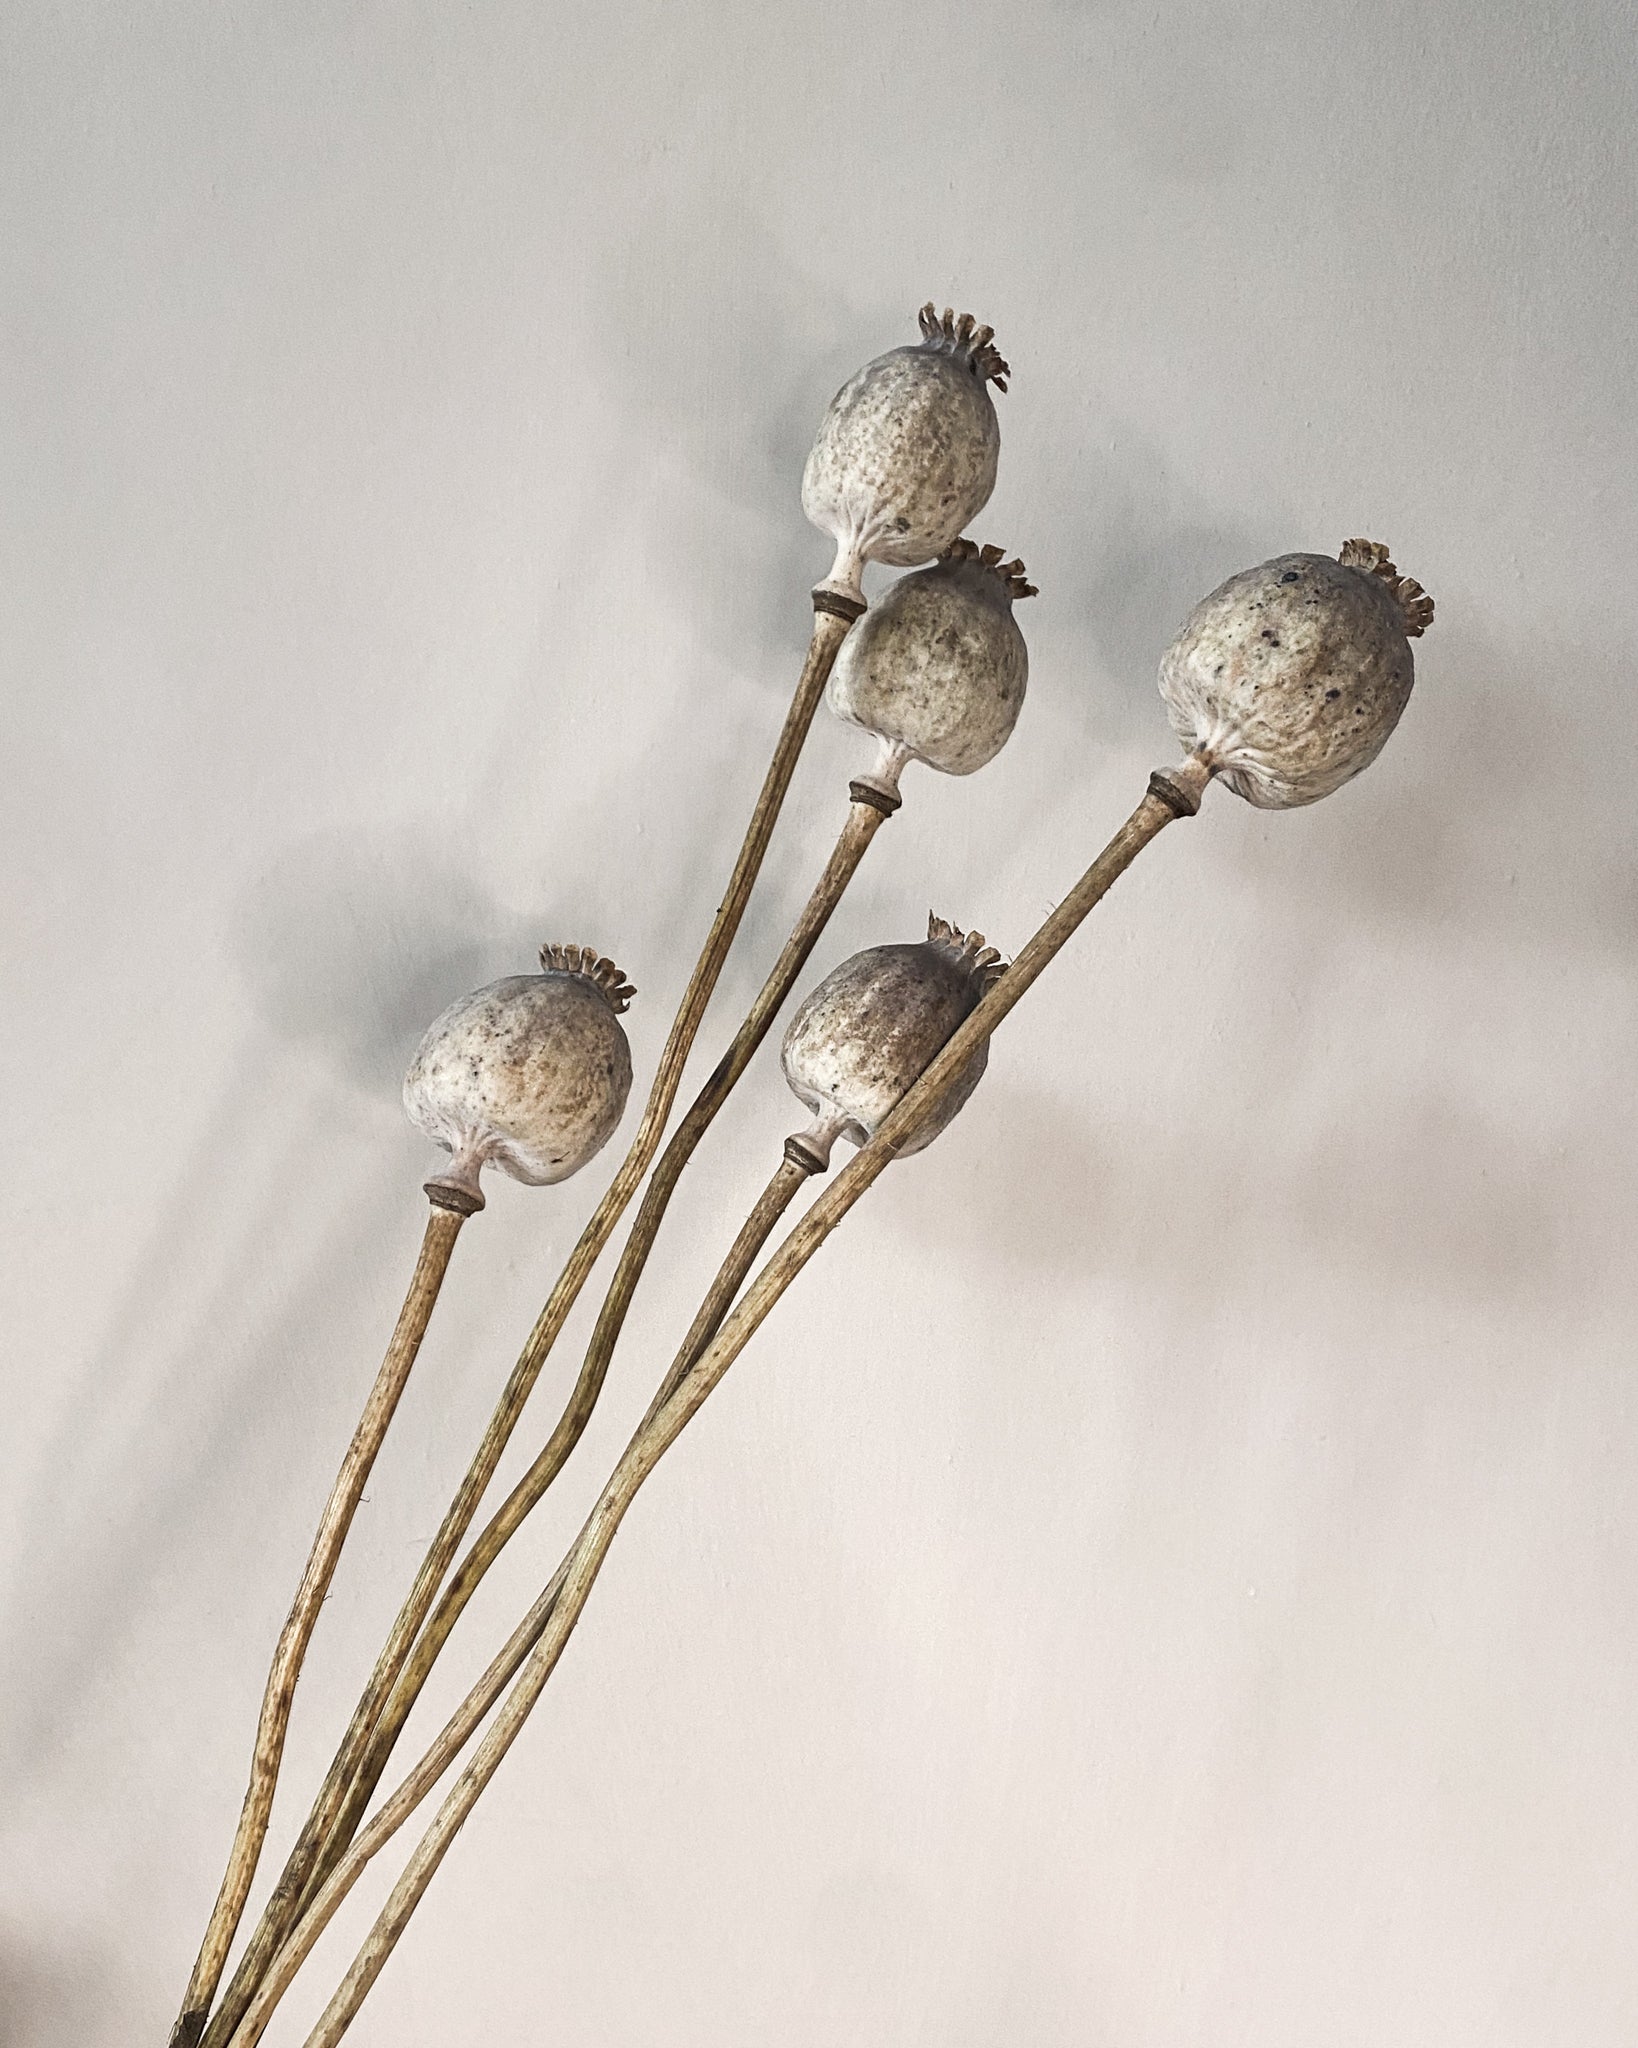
(842, 591)
(457, 1189)
(879, 785)
(811, 1149)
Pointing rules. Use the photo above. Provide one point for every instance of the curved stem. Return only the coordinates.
(350, 1863)
(865, 817)
(754, 1233)
(1174, 794)
(1170, 796)
(318, 1912)
(830, 627)
(574, 1579)
(437, 1243)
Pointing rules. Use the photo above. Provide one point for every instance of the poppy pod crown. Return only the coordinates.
(587, 964)
(964, 341)
(969, 952)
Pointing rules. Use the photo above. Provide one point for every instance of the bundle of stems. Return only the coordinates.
(867, 811)
(833, 614)
(531, 1653)
(438, 1243)
(905, 456)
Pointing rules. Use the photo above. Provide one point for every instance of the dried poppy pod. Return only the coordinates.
(871, 1027)
(937, 669)
(905, 457)
(529, 1074)
(1288, 679)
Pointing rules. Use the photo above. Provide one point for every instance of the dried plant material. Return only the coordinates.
(905, 458)
(437, 1244)
(870, 1028)
(973, 647)
(830, 625)
(1414, 602)
(594, 967)
(937, 669)
(866, 815)
(1288, 678)
(529, 1074)
(964, 341)
(531, 1653)
(1286, 681)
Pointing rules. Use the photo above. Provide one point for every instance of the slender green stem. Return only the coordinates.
(1170, 796)
(437, 1243)
(829, 629)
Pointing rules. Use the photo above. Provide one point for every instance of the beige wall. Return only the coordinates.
(1166, 1575)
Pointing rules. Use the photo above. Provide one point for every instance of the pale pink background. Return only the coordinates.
(1166, 1578)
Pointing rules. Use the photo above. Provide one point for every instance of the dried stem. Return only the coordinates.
(573, 1580)
(384, 1824)
(1172, 795)
(865, 817)
(830, 627)
(754, 1233)
(443, 1227)
(349, 1865)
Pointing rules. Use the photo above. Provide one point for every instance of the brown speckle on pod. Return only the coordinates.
(905, 457)
(529, 1074)
(1288, 679)
(938, 668)
(873, 1025)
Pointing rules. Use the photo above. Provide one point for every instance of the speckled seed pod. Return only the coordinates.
(906, 455)
(1289, 678)
(529, 1074)
(871, 1028)
(937, 668)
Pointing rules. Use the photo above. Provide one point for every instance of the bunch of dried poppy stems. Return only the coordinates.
(1283, 683)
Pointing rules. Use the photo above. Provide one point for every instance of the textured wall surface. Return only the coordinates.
(1166, 1574)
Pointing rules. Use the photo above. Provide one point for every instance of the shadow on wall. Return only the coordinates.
(1124, 560)
(1479, 842)
(1139, 1203)
(49, 1996)
(1501, 807)
(355, 941)
(1502, 802)
(228, 1325)
(726, 353)
(718, 356)
(349, 947)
